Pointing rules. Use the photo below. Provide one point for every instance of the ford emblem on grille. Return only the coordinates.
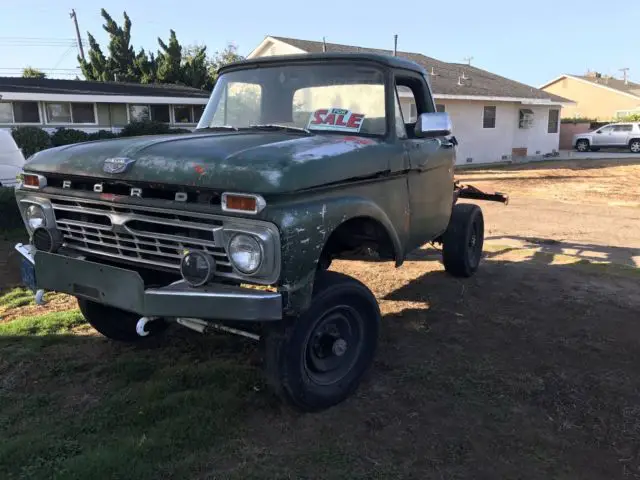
(117, 164)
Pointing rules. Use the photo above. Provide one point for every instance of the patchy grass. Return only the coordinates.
(20, 302)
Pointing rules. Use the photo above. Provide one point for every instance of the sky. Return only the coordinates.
(531, 42)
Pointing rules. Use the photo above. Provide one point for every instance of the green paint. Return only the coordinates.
(312, 182)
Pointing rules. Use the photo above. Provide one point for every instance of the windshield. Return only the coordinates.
(331, 97)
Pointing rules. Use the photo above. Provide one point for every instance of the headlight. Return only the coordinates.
(245, 253)
(197, 268)
(35, 217)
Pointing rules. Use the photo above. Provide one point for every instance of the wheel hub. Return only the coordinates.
(333, 345)
(339, 347)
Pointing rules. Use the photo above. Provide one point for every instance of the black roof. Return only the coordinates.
(388, 60)
(445, 77)
(84, 87)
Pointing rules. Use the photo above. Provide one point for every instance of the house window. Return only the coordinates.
(26, 112)
(187, 113)
(489, 117)
(139, 113)
(440, 108)
(160, 113)
(554, 120)
(70, 113)
(6, 113)
(156, 113)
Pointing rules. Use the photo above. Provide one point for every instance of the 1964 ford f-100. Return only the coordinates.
(296, 161)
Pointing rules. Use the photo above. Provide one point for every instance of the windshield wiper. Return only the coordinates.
(220, 127)
(275, 126)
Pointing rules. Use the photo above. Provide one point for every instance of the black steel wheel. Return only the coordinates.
(318, 359)
(582, 145)
(116, 324)
(463, 241)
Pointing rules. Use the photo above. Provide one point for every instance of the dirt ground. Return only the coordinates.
(530, 369)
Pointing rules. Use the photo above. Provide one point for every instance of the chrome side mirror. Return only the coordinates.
(437, 124)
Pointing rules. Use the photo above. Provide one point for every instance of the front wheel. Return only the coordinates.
(582, 145)
(114, 323)
(634, 146)
(318, 359)
(463, 241)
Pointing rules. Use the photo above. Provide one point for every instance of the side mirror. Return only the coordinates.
(437, 124)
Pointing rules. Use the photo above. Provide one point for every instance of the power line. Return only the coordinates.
(39, 42)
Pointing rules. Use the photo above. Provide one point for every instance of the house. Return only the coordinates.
(596, 96)
(92, 106)
(494, 118)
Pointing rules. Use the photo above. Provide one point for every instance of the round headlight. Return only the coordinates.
(35, 217)
(245, 253)
(197, 268)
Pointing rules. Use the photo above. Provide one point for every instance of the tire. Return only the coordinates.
(116, 324)
(582, 145)
(634, 145)
(463, 240)
(318, 359)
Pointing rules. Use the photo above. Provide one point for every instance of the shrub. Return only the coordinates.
(180, 130)
(145, 127)
(9, 213)
(31, 139)
(67, 136)
(102, 135)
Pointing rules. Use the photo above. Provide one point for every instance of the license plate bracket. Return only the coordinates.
(28, 272)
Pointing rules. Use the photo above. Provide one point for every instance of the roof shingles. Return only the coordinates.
(83, 87)
(445, 77)
(615, 83)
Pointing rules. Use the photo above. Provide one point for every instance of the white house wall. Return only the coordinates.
(487, 145)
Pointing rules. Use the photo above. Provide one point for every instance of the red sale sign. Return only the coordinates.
(337, 119)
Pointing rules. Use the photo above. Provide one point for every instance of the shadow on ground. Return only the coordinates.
(523, 371)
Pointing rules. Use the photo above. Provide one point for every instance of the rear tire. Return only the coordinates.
(463, 241)
(318, 359)
(634, 145)
(116, 324)
(582, 145)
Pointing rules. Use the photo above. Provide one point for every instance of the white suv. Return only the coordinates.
(615, 135)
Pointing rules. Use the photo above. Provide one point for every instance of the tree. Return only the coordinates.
(173, 64)
(220, 59)
(121, 64)
(31, 72)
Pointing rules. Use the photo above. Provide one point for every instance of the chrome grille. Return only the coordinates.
(155, 237)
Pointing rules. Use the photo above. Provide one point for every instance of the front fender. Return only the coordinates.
(304, 230)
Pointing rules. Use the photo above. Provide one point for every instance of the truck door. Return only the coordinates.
(431, 162)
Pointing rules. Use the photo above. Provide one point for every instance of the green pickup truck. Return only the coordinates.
(296, 161)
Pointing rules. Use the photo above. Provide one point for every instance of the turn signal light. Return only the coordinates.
(29, 180)
(242, 203)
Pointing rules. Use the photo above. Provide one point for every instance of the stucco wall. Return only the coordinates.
(592, 101)
(487, 145)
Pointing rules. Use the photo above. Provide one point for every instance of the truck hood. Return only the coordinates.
(245, 161)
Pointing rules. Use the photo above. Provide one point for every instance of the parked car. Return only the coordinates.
(11, 160)
(615, 135)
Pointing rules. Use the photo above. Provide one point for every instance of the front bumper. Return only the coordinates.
(124, 289)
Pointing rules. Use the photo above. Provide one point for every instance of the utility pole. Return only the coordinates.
(324, 44)
(624, 75)
(75, 21)
(468, 60)
(395, 45)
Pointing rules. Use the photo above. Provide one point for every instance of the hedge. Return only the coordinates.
(9, 214)
(34, 139)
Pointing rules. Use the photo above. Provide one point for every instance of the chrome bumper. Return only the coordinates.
(124, 289)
